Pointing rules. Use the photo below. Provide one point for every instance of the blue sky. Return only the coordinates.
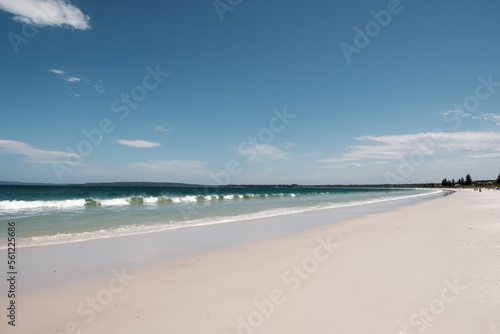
(256, 91)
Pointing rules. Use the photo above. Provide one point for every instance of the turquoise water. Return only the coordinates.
(46, 215)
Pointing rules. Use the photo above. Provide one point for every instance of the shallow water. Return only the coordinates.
(47, 215)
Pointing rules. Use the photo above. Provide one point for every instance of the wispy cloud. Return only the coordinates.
(56, 71)
(264, 152)
(362, 164)
(429, 143)
(269, 152)
(99, 88)
(163, 128)
(62, 74)
(492, 117)
(59, 13)
(72, 79)
(33, 154)
(76, 79)
(138, 143)
(484, 156)
(460, 113)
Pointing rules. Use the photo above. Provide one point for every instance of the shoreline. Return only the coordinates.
(132, 229)
(56, 264)
(432, 266)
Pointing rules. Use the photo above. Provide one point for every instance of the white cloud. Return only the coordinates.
(270, 152)
(99, 88)
(62, 74)
(460, 113)
(361, 164)
(492, 117)
(429, 143)
(264, 152)
(56, 71)
(138, 143)
(33, 154)
(163, 128)
(59, 13)
(484, 156)
(72, 79)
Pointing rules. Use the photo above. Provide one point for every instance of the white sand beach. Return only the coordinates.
(432, 267)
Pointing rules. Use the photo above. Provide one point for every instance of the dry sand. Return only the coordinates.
(433, 267)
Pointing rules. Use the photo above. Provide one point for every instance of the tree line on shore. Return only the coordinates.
(463, 182)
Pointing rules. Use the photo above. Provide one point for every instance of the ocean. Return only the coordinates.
(48, 215)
